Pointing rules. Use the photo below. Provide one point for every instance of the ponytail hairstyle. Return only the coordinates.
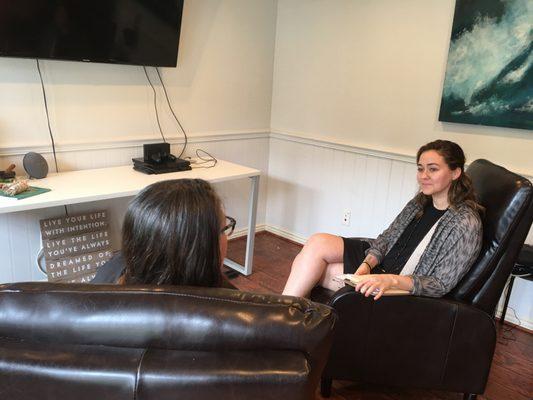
(171, 235)
(461, 189)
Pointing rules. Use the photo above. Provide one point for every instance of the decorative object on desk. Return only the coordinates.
(75, 246)
(8, 174)
(30, 192)
(157, 159)
(490, 66)
(35, 165)
(14, 188)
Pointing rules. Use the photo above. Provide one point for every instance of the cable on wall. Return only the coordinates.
(155, 104)
(40, 255)
(48, 120)
(173, 113)
(47, 115)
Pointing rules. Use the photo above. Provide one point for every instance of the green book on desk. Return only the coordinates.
(32, 191)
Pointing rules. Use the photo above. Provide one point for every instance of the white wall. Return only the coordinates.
(370, 74)
(357, 87)
(222, 84)
(101, 114)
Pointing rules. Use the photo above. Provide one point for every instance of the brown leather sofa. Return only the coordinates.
(68, 341)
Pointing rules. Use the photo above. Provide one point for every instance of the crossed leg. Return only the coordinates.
(317, 263)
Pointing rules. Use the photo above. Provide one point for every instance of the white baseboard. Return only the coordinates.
(510, 317)
(237, 233)
(285, 234)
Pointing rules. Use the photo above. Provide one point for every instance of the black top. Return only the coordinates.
(397, 257)
(111, 271)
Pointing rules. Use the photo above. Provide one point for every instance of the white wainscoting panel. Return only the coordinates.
(311, 186)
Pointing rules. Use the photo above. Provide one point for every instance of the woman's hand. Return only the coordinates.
(375, 284)
(364, 269)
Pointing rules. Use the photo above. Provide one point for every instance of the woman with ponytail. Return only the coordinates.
(426, 250)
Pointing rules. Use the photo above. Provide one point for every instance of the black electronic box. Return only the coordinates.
(158, 160)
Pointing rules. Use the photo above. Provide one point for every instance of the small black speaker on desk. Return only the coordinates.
(35, 165)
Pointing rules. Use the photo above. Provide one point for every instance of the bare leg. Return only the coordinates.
(318, 262)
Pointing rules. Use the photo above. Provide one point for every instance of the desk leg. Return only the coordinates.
(252, 214)
(507, 297)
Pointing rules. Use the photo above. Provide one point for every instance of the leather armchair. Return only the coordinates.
(437, 343)
(71, 341)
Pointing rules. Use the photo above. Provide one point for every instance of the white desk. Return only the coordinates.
(109, 183)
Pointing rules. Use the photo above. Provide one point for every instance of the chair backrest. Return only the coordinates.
(508, 201)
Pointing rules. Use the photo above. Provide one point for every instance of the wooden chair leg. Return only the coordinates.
(325, 386)
(469, 396)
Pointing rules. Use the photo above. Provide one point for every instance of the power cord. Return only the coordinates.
(40, 260)
(47, 115)
(212, 161)
(40, 255)
(508, 334)
(173, 113)
(508, 330)
(155, 104)
(48, 120)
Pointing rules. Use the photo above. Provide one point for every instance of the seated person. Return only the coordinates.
(174, 233)
(426, 250)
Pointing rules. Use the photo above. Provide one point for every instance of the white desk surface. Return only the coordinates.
(109, 183)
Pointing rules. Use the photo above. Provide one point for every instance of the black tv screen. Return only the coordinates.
(140, 32)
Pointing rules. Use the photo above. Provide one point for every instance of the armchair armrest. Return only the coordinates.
(420, 340)
(353, 280)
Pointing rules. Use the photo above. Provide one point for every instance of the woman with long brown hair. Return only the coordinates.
(426, 250)
(174, 233)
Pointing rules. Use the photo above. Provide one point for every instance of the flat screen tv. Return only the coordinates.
(139, 32)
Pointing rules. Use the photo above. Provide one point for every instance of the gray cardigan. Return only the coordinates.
(452, 250)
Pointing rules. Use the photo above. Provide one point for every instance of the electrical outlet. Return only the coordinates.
(346, 217)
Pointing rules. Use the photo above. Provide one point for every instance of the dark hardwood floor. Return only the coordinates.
(511, 375)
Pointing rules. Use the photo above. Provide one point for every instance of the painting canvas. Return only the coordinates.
(489, 75)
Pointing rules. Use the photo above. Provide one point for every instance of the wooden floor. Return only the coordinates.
(511, 376)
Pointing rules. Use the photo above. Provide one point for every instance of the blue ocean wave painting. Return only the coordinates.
(489, 75)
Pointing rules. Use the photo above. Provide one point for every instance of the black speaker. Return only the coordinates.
(35, 165)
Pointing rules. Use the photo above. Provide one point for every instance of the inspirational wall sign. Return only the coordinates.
(75, 246)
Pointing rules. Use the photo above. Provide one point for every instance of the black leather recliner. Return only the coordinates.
(69, 341)
(445, 343)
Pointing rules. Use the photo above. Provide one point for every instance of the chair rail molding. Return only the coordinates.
(329, 142)
(124, 142)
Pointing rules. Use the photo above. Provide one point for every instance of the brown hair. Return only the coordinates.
(171, 235)
(461, 189)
